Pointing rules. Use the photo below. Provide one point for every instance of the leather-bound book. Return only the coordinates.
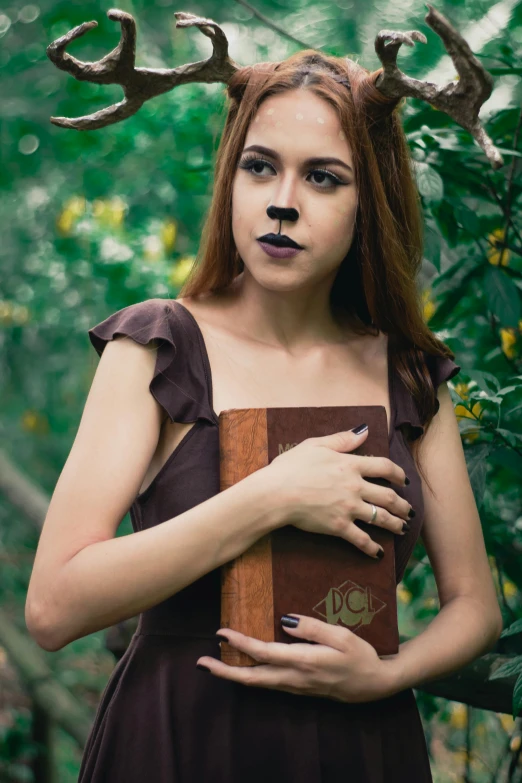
(291, 570)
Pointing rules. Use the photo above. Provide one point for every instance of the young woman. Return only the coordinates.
(313, 158)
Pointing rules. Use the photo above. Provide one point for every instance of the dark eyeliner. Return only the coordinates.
(248, 160)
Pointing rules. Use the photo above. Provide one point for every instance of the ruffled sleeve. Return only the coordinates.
(441, 369)
(179, 383)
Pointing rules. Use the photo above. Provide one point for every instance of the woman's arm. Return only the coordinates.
(469, 622)
(84, 578)
(110, 581)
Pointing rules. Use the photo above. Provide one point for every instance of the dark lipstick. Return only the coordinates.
(279, 240)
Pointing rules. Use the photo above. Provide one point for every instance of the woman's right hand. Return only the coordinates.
(325, 489)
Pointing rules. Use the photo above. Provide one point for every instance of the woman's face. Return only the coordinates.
(293, 127)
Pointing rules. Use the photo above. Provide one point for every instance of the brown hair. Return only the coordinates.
(376, 281)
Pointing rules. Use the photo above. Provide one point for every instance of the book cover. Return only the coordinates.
(294, 571)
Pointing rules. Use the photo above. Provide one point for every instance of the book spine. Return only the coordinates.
(233, 599)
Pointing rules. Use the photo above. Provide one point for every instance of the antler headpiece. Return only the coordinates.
(461, 100)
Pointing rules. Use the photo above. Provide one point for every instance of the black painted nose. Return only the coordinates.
(282, 213)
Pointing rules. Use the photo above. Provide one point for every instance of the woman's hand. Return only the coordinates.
(324, 489)
(340, 665)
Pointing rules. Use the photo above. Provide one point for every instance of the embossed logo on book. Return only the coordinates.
(282, 447)
(353, 605)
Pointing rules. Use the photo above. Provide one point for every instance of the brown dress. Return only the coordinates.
(162, 720)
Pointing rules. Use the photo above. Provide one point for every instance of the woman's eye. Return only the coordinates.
(256, 163)
(325, 174)
(256, 166)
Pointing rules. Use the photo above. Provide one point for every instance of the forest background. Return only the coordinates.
(94, 221)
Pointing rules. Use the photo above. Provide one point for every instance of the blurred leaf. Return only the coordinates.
(445, 217)
(502, 297)
(517, 696)
(432, 246)
(507, 669)
(507, 458)
(486, 381)
(515, 627)
(468, 219)
(429, 182)
(476, 461)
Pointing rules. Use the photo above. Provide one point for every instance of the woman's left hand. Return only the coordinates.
(340, 666)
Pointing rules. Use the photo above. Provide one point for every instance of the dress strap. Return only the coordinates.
(441, 369)
(179, 383)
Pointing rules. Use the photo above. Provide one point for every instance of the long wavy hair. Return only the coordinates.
(376, 282)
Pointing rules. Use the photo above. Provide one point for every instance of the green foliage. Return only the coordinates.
(98, 220)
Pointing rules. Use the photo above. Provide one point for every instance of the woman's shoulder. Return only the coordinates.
(179, 383)
(144, 322)
(441, 368)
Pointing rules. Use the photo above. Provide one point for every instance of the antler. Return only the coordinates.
(460, 100)
(139, 84)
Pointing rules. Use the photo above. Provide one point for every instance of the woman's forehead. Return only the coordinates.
(301, 105)
(301, 127)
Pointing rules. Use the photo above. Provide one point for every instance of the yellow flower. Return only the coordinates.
(492, 565)
(507, 722)
(510, 589)
(462, 412)
(32, 421)
(460, 756)
(64, 222)
(109, 213)
(428, 305)
(168, 235)
(77, 205)
(20, 314)
(462, 390)
(180, 271)
(73, 209)
(514, 745)
(152, 248)
(403, 594)
(501, 256)
(459, 716)
(12, 313)
(508, 338)
(6, 312)
(429, 602)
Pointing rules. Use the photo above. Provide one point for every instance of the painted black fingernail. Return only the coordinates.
(289, 622)
(203, 668)
(221, 638)
(405, 526)
(380, 554)
(359, 429)
(411, 513)
(407, 481)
